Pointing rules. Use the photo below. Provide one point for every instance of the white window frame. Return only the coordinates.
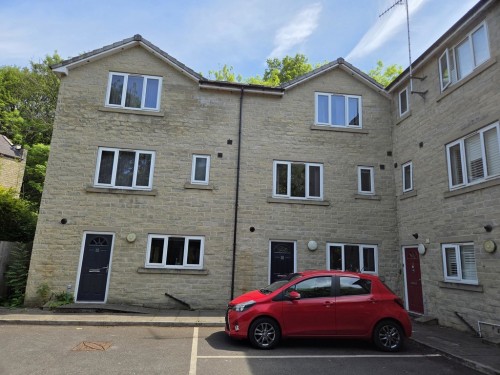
(463, 160)
(124, 91)
(451, 58)
(346, 110)
(185, 264)
(207, 169)
(361, 259)
(407, 91)
(289, 180)
(116, 152)
(372, 180)
(403, 167)
(459, 277)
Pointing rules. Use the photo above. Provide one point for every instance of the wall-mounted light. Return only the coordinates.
(488, 228)
(421, 249)
(312, 245)
(131, 237)
(415, 235)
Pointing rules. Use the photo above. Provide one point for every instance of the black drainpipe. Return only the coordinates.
(236, 199)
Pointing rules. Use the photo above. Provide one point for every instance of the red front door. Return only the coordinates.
(413, 280)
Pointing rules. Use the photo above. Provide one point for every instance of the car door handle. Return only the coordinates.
(327, 303)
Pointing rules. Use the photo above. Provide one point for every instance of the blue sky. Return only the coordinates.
(205, 35)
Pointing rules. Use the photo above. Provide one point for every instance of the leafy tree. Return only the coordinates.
(17, 219)
(28, 98)
(226, 73)
(16, 275)
(34, 174)
(385, 77)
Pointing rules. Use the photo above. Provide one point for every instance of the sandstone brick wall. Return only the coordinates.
(436, 215)
(12, 172)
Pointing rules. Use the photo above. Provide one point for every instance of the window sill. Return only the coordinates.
(403, 117)
(463, 81)
(189, 185)
(92, 189)
(168, 271)
(368, 197)
(469, 189)
(461, 286)
(298, 201)
(338, 129)
(408, 194)
(132, 111)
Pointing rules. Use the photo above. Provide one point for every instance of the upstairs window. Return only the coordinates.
(460, 61)
(407, 169)
(459, 262)
(404, 103)
(338, 110)
(474, 158)
(366, 184)
(200, 169)
(297, 180)
(133, 91)
(124, 169)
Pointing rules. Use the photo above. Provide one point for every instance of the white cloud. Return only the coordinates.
(297, 30)
(386, 27)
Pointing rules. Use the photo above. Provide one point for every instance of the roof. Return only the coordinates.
(64, 67)
(429, 52)
(7, 148)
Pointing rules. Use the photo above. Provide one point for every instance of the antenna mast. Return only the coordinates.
(400, 2)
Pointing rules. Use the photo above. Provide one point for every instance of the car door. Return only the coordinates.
(355, 306)
(313, 313)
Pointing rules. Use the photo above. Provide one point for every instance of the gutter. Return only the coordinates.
(236, 199)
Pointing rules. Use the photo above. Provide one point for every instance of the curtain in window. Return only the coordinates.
(492, 149)
(474, 157)
(468, 262)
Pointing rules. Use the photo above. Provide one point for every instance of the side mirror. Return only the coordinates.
(294, 295)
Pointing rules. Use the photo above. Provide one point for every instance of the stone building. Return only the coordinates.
(164, 187)
(12, 164)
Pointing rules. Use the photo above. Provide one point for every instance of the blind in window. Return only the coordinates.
(468, 262)
(492, 148)
(451, 262)
(474, 156)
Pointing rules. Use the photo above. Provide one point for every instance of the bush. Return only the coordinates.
(17, 274)
(17, 220)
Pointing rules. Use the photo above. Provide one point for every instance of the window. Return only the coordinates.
(174, 252)
(200, 170)
(133, 91)
(124, 169)
(366, 180)
(459, 263)
(315, 287)
(297, 180)
(474, 158)
(349, 257)
(353, 286)
(407, 176)
(457, 63)
(404, 103)
(338, 110)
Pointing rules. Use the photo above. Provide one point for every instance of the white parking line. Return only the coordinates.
(194, 352)
(316, 356)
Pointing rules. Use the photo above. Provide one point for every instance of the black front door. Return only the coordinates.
(95, 266)
(282, 259)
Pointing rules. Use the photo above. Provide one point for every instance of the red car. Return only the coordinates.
(320, 304)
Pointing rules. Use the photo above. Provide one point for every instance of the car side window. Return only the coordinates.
(313, 288)
(353, 286)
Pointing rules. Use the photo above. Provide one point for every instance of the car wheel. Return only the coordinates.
(264, 333)
(388, 336)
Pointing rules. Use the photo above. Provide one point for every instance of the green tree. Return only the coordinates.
(385, 77)
(28, 98)
(226, 73)
(17, 219)
(34, 174)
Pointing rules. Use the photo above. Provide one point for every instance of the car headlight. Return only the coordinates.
(244, 306)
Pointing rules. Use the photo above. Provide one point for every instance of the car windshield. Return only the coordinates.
(279, 283)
